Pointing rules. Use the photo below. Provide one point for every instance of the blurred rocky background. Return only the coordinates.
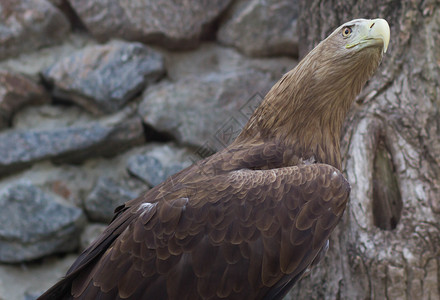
(103, 99)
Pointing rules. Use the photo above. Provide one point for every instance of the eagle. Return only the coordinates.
(248, 221)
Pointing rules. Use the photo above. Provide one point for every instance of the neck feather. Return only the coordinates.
(307, 107)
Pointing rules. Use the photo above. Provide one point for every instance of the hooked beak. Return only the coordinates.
(379, 30)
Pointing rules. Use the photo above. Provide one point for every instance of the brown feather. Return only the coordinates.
(246, 222)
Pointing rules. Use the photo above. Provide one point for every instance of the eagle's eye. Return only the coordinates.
(346, 31)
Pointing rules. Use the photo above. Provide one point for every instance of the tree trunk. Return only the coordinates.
(388, 244)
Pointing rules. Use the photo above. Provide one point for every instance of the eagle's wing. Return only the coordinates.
(242, 235)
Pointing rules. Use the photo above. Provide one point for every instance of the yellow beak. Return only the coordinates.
(379, 29)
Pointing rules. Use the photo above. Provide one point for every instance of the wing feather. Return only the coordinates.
(245, 234)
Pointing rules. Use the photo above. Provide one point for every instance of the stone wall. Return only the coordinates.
(102, 99)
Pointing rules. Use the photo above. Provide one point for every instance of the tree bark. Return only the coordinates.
(388, 244)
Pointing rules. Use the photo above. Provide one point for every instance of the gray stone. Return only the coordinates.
(103, 78)
(262, 28)
(56, 3)
(104, 198)
(147, 168)
(35, 224)
(21, 148)
(26, 25)
(214, 58)
(73, 182)
(157, 163)
(65, 8)
(17, 91)
(32, 296)
(49, 116)
(90, 233)
(206, 111)
(169, 23)
(21, 281)
(33, 63)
